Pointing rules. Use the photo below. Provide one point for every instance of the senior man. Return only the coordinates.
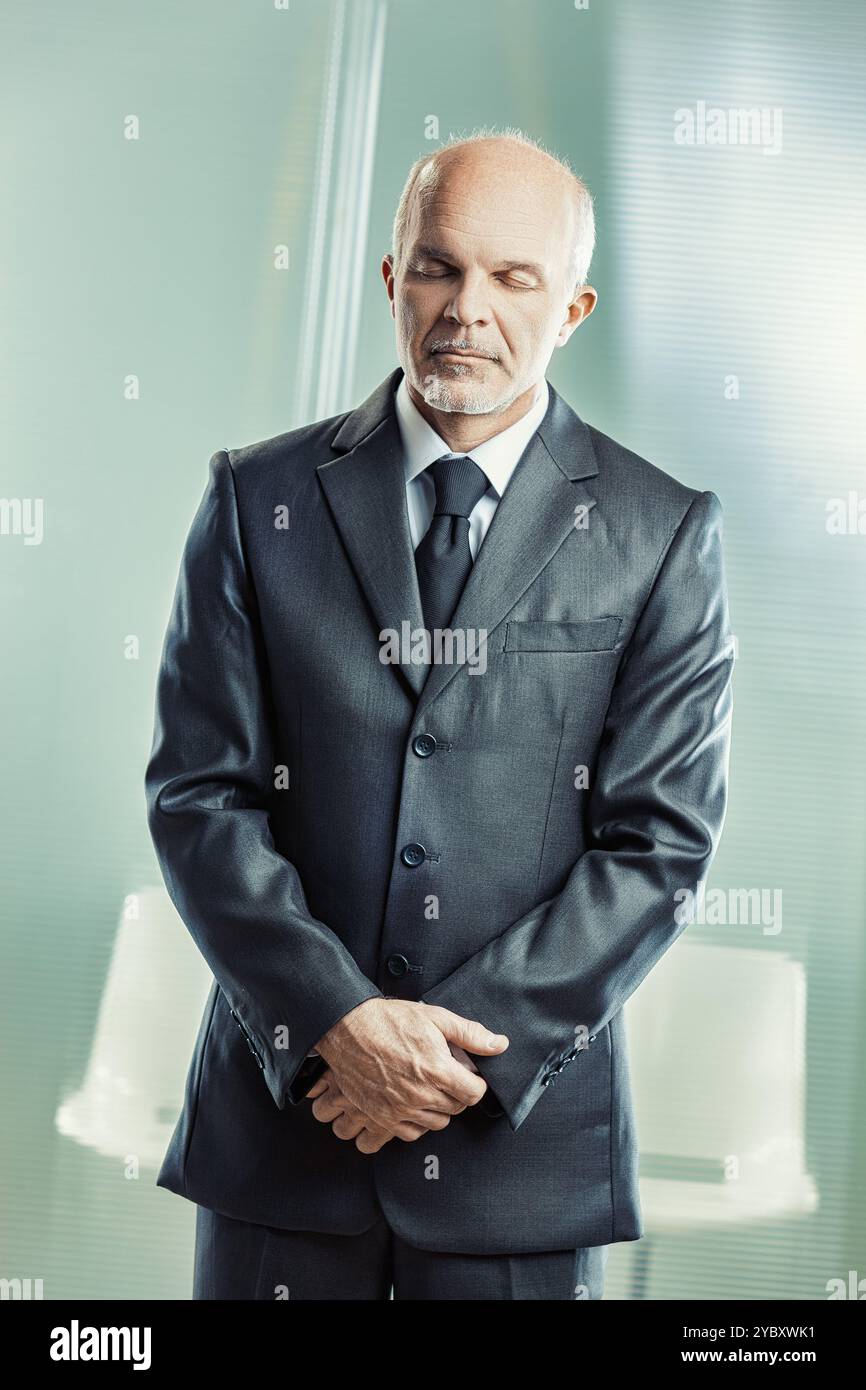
(442, 727)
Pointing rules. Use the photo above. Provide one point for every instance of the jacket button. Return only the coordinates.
(397, 965)
(424, 745)
(413, 855)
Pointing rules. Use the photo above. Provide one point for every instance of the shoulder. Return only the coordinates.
(653, 507)
(627, 474)
(296, 452)
(646, 492)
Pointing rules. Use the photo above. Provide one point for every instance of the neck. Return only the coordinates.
(463, 433)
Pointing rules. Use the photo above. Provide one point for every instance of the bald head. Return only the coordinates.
(500, 171)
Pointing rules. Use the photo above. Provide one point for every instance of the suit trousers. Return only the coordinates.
(240, 1260)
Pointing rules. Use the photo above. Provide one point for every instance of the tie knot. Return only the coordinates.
(460, 484)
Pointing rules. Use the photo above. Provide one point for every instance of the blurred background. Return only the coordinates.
(197, 199)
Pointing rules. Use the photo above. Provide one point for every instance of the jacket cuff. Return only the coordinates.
(289, 1073)
(518, 1077)
(306, 1076)
(518, 1098)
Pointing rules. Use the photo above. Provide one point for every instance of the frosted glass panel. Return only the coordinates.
(197, 201)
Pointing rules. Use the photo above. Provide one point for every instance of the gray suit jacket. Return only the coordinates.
(535, 896)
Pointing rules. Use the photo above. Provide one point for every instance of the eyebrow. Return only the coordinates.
(436, 253)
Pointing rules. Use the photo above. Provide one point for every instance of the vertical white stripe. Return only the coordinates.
(332, 306)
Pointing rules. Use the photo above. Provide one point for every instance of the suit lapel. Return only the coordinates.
(366, 490)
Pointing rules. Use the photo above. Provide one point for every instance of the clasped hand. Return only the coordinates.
(396, 1069)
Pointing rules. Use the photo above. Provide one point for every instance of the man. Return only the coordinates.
(442, 728)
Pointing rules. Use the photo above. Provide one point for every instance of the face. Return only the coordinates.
(481, 299)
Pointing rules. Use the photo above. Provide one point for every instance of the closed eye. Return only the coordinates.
(428, 275)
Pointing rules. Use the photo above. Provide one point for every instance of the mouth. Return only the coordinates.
(458, 352)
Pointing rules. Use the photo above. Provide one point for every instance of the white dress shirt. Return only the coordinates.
(497, 457)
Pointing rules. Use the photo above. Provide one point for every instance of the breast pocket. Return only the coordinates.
(588, 635)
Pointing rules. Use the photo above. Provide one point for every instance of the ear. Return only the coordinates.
(579, 309)
(388, 276)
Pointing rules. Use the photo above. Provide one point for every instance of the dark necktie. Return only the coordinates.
(443, 558)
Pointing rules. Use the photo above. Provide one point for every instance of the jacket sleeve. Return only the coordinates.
(552, 980)
(286, 976)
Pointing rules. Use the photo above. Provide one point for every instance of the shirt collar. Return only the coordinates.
(497, 457)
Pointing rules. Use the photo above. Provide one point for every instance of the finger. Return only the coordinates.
(450, 1088)
(431, 1107)
(425, 1120)
(431, 1111)
(409, 1132)
(462, 1057)
(395, 1129)
(369, 1137)
(369, 1141)
(348, 1126)
(318, 1088)
(468, 1034)
(327, 1108)
(336, 1107)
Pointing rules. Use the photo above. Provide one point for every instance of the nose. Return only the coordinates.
(468, 304)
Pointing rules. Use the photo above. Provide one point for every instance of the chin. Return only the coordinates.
(463, 397)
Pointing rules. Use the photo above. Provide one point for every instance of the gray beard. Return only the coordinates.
(454, 397)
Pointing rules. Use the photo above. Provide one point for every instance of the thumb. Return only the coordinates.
(468, 1034)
